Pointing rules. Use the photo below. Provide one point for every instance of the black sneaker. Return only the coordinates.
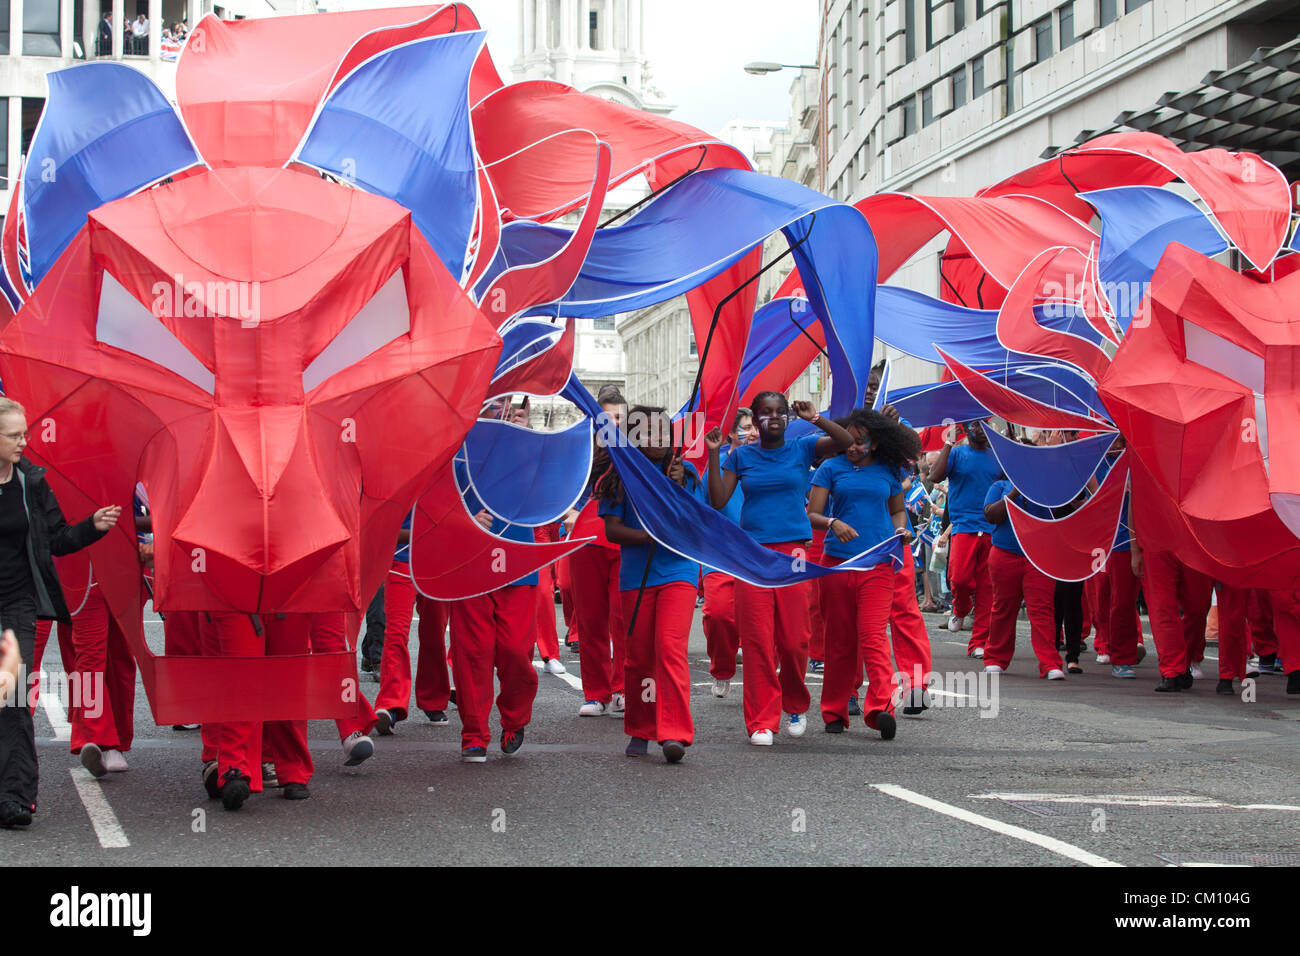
(674, 750)
(1224, 686)
(437, 717)
(1293, 682)
(636, 747)
(836, 726)
(887, 726)
(473, 754)
(234, 789)
(1266, 662)
(511, 740)
(295, 791)
(369, 667)
(210, 781)
(13, 814)
(855, 710)
(1168, 685)
(1184, 680)
(452, 698)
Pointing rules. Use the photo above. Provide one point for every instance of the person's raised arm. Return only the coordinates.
(836, 439)
(939, 470)
(722, 484)
(996, 512)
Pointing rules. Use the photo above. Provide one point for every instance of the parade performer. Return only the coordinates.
(721, 635)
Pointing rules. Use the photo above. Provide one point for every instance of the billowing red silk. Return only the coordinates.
(1019, 331)
(1011, 405)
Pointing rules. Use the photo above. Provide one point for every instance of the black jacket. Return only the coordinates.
(49, 534)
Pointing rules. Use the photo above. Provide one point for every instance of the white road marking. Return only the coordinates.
(1051, 844)
(568, 678)
(1176, 801)
(56, 715)
(102, 818)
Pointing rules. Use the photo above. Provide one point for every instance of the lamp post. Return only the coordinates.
(761, 67)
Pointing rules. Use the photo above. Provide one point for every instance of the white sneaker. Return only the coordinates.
(114, 762)
(357, 748)
(593, 708)
(1252, 667)
(992, 669)
(92, 758)
(954, 623)
(1197, 674)
(1056, 674)
(761, 738)
(1103, 658)
(797, 725)
(553, 666)
(617, 704)
(1142, 653)
(720, 688)
(978, 652)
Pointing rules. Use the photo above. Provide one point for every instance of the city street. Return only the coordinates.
(1093, 771)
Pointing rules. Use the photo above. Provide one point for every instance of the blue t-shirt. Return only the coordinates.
(775, 483)
(1004, 536)
(970, 473)
(860, 498)
(403, 552)
(666, 566)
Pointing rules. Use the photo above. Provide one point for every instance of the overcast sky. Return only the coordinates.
(697, 50)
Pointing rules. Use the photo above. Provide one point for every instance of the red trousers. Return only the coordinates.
(968, 567)
(1096, 601)
(1232, 631)
(1259, 622)
(232, 745)
(182, 633)
(548, 639)
(774, 626)
(907, 633)
(1286, 625)
(656, 673)
(857, 616)
(432, 683)
(563, 581)
(1015, 580)
(1167, 584)
(599, 613)
(337, 631)
(105, 670)
(721, 636)
(816, 618)
(1125, 625)
(495, 631)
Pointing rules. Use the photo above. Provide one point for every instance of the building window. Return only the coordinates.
(41, 28)
(927, 106)
(693, 349)
(593, 30)
(977, 77)
(1131, 5)
(4, 26)
(959, 88)
(929, 24)
(1065, 19)
(958, 15)
(909, 30)
(981, 8)
(1109, 12)
(603, 324)
(909, 116)
(4, 138)
(1043, 40)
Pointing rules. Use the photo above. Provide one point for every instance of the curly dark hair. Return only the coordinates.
(897, 446)
(609, 486)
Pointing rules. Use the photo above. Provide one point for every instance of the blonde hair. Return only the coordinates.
(8, 405)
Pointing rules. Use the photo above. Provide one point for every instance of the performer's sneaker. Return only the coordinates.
(1073, 667)
(234, 789)
(270, 781)
(114, 762)
(836, 726)
(955, 623)
(798, 724)
(1124, 671)
(636, 747)
(887, 726)
(210, 782)
(674, 750)
(816, 666)
(1252, 667)
(761, 738)
(1142, 653)
(918, 699)
(553, 666)
(1103, 658)
(992, 669)
(1224, 686)
(1056, 674)
(617, 705)
(855, 709)
(14, 814)
(386, 723)
(720, 688)
(978, 653)
(511, 740)
(92, 758)
(295, 791)
(358, 748)
(1169, 685)
(593, 708)
(1293, 682)
(473, 754)
(1184, 680)
(437, 717)
(1196, 672)
(185, 726)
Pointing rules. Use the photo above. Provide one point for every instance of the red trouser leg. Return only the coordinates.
(656, 673)
(548, 639)
(181, 633)
(395, 664)
(1123, 631)
(721, 636)
(968, 566)
(1161, 582)
(563, 581)
(432, 682)
(516, 619)
(1232, 631)
(1006, 572)
(105, 679)
(1040, 603)
(774, 624)
(329, 632)
(1259, 622)
(599, 613)
(284, 742)
(907, 633)
(235, 746)
(816, 623)
(1286, 625)
(858, 605)
(1194, 596)
(1096, 594)
(494, 631)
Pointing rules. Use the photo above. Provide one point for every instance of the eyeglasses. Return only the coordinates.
(15, 436)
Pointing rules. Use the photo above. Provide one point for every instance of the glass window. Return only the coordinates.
(1043, 39)
(4, 138)
(4, 26)
(959, 88)
(909, 30)
(927, 106)
(1065, 19)
(593, 30)
(977, 77)
(929, 24)
(41, 28)
(909, 116)
(603, 324)
(958, 15)
(1131, 5)
(1109, 11)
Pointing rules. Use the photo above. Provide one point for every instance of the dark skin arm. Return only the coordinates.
(722, 484)
(996, 513)
(836, 438)
(939, 470)
(619, 533)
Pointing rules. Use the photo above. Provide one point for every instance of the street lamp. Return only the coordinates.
(761, 67)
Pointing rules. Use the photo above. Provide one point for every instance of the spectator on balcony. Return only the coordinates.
(140, 35)
(104, 40)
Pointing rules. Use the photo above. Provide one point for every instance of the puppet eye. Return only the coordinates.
(381, 320)
(125, 324)
(1231, 361)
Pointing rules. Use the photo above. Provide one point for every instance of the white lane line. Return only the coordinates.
(55, 713)
(1175, 801)
(102, 818)
(568, 678)
(1051, 844)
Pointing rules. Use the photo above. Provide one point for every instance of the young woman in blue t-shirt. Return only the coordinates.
(774, 622)
(656, 674)
(864, 490)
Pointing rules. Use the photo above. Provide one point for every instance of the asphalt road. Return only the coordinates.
(1090, 771)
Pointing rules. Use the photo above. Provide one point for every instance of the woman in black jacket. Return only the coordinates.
(32, 531)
